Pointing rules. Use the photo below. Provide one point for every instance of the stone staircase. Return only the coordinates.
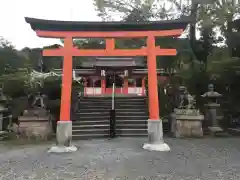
(131, 116)
(92, 119)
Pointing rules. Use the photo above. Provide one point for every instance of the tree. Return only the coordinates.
(217, 15)
(10, 57)
(132, 10)
(137, 11)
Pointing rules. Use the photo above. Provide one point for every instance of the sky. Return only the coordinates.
(14, 28)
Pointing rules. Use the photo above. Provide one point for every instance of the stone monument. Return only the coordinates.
(186, 119)
(212, 106)
(35, 122)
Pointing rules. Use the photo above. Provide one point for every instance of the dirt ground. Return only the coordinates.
(124, 158)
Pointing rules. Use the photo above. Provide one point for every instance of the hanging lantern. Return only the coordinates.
(126, 73)
(103, 73)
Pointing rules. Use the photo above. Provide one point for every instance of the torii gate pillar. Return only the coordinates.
(155, 129)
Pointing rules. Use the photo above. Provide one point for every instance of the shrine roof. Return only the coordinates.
(113, 62)
(53, 25)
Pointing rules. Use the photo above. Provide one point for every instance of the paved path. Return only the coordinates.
(124, 158)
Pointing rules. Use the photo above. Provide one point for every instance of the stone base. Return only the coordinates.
(215, 129)
(62, 149)
(188, 128)
(64, 133)
(186, 123)
(155, 137)
(64, 138)
(35, 128)
(157, 147)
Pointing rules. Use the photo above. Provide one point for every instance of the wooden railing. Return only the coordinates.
(97, 91)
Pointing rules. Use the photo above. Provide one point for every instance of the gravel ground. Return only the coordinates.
(124, 158)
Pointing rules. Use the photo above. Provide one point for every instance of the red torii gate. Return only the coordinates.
(109, 30)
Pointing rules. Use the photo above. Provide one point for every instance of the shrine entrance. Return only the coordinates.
(114, 78)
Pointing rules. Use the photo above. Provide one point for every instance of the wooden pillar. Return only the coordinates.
(125, 85)
(103, 84)
(143, 86)
(152, 80)
(125, 82)
(85, 86)
(66, 81)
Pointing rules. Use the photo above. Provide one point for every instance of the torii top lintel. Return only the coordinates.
(74, 29)
(108, 30)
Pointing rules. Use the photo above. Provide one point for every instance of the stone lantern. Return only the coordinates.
(212, 106)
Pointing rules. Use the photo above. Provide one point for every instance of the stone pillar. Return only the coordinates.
(64, 126)
(155, 129)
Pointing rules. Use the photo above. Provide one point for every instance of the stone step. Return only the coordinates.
(131, 126)
(97, 105)
(132, 117)
(107, 126)
(131, 121)
(91, 131)
(89, 136)
(109, 104)
(129, 105)
(116, 99)
(91, 118)
(130, 113)
(104, 136)
(132, 135)
(92, 114)
(91, 126)
(108, 110)
(103, 111)
(131, 131)
(91, 122)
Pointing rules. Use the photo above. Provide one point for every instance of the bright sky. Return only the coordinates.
(14, 28)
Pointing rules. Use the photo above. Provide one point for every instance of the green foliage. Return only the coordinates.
(52, 87)
(17, 87)
(16, 84)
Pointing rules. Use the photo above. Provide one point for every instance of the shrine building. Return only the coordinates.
(128, 73)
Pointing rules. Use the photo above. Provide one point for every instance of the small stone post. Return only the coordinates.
(212, 105)
(3, 109)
